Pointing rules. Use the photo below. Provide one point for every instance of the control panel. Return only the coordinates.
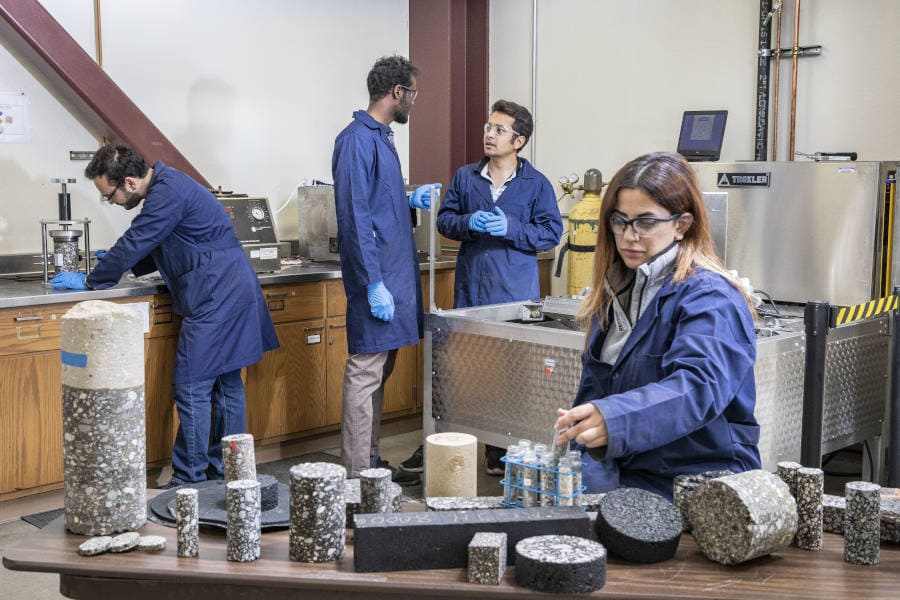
(251, 218)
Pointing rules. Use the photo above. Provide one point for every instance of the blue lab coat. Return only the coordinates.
(680, 397)
(188, 235)
(491, 270)
(375, 236)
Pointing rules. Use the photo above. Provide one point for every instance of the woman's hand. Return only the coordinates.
(588, 426)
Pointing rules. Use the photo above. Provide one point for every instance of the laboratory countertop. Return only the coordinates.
(31, 290)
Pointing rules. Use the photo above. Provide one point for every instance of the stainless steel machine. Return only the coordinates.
(66, 253)
(254, 226)
(806, 231)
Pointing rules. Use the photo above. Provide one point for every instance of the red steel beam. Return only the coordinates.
(95, 99)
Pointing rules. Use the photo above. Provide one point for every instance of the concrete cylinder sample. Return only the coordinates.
(243, 535)
(187, 522)
(809, 487)
(451, 464)
(104, 449)
(862, 523)
(318, 512)
(238, 457)
(742, 516)
(375, 491)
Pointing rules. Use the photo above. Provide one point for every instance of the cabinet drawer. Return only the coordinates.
(295, 302)
(335, 299)
(163, 322)
(31, 329)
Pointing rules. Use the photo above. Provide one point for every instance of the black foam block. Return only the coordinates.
(638, 526)
(440, 540)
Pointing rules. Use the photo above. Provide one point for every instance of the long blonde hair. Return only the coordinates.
(670, 181)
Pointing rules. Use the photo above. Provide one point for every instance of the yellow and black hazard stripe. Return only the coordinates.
(841, 315)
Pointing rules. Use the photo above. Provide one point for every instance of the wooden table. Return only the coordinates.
(791, 573)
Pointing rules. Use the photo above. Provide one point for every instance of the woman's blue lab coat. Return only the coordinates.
(680, 397)
(375, 236)
(491, 270)
(188, 235)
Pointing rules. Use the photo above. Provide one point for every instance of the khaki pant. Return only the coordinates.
(363, 399)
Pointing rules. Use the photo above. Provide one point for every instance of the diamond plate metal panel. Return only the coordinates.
(857, 371)
(779, 402)
(500, 385)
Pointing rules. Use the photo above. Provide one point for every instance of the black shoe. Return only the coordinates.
(492, 463)
(416, 462)
(402, 477)
(171, 485)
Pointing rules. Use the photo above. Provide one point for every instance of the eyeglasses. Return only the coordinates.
(642, 226)
(109, 196)
(412, 93)
(500, 130)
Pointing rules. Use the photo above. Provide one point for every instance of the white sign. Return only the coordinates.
(15, 125)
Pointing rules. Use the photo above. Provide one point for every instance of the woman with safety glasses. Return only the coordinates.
(667, 385)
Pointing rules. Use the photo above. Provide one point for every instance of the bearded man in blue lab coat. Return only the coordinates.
(185, 233)
(378, 258)
(503, 211)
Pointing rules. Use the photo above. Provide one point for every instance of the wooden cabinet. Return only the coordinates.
(336, 359)
(160, 346)
(286, 390)
(30, 421)
(30, 397)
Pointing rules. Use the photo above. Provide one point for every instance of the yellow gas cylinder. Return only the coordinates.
(584, 220)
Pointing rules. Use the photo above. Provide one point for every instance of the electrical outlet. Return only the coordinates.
(81, 154)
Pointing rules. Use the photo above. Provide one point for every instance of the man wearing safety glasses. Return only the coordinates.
(503, 211)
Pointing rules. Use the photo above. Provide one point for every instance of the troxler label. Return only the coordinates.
(743, 179)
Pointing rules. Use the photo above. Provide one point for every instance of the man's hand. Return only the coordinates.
(99, 254)
(70, 281)
(479, 220)
(381, 302)
(421, 198)
(497, 225)
(586, 426)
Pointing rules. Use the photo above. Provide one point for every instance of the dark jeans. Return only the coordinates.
(207, 410)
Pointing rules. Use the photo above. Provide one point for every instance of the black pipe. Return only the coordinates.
(816, 320)
(761, 148)
(894, 423)
(65, 206)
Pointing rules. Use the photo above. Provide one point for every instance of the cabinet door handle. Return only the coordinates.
(337, 325)
(319, 328)
(155, 306)
(277, 294)
(33, 318)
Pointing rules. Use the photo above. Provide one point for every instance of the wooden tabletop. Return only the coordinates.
(790, 573)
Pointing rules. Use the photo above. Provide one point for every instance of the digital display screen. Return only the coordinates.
(702, 133)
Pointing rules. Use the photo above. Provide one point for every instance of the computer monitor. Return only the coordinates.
(701, 136)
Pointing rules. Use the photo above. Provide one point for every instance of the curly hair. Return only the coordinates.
(387, 72)
(524, 124)
(116, 161)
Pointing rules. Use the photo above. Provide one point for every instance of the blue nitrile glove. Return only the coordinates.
(479, 220)
(99, 254)
(497, 224)
(421, 198)
(69, 281)
(380, 301)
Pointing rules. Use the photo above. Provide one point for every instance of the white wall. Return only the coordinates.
(253, 93)
(613, 78)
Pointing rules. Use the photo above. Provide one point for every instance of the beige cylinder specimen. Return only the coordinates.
(451, 465)
(104, 452)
